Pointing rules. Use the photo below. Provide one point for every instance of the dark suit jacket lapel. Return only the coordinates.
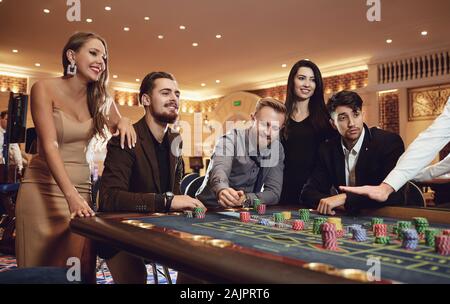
(339, 163)
(149, 150)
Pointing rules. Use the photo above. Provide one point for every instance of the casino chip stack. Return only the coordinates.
(286, 215)
(430, 235)
(304, 215)
(395, 229)
(318, 221)
(442, 244)
(376, 220)
(256, 203)
(261, 209)
(188, 214)
(421, 224)
(410, 239)
(199, 212)
(264, 222)
(402, 225)
(278, 217)
(359, 234)
(349, 229)
(382, 240)
(380, 230)
(244, 216)
(338, 223)
(329, 236)
(298, 225)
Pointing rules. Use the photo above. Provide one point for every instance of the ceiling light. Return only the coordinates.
(126, 29)
(182, 27)
(137, 80)
(203, 84)
(217, 81)
(389, 41)
(46, 10)
(15, 51)
(88, 20)
(107, 8)
(146, 18)
(115, 76)
(195, 44)
(284, 65)
(424, 33)
(218, 36)
(37, 64)
(160, 37)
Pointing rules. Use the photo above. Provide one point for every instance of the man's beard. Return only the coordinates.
(163, 117)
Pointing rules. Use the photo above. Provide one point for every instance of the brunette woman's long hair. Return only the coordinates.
(97, 95)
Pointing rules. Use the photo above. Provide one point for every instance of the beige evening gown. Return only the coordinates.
(43, 236)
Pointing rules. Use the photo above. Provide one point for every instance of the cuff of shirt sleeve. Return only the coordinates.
(395, 180)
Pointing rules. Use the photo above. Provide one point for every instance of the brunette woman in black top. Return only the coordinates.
(306, 127)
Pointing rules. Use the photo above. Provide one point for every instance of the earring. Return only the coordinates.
(72, 69)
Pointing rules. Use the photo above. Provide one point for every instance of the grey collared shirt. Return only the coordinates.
(231, 166)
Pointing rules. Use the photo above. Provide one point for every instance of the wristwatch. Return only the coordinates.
(168, 197)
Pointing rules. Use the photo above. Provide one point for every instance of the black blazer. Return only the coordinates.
(378, 155)
(130, 180)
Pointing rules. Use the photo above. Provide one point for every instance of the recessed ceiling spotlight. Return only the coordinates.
(424, 33)
(146, 18)
(37, 64)
(389, 41)
(88, 20)
(182, 27)
(137, 80)
(15, 51)
(160, 37)
(126, 29)
(217, 81)
(46, 10)
(218, 36)
(195, 44)
(203, 84)
(107, 8)
(115, 76)
(284, 65)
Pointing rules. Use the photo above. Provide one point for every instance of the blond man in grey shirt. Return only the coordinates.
(248, 164)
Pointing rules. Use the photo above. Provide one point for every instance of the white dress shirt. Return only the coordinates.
(422, 151)
(351, 158)
(15, 156)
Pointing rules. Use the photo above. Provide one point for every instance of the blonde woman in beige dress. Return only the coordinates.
(67, 112)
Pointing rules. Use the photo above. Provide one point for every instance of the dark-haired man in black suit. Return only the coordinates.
(360, 156)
